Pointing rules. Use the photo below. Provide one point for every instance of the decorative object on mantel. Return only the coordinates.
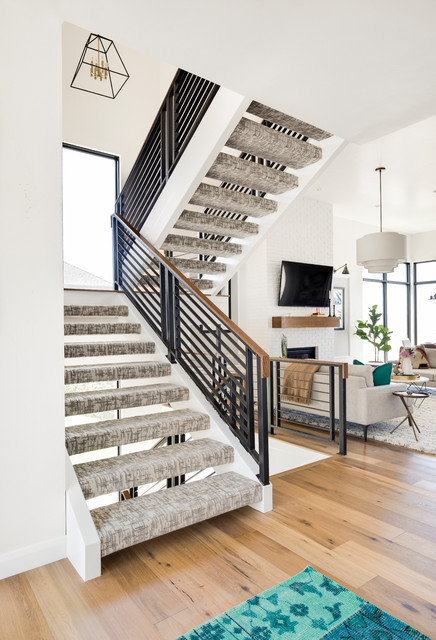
(284, 346)
(383, 251)
(344, 271)
(374, 333)
(100, 69)
(302, 322)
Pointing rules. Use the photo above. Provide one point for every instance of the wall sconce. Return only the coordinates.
(344, 272)
(100, 69)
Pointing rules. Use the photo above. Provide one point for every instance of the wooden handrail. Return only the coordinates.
(264, 357)
(313, 361)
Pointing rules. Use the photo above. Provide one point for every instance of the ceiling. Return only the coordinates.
(362, 70)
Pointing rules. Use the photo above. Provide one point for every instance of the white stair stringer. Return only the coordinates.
(90, 537)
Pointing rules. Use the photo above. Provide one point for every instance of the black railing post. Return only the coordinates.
(272, 406)
(278, 391)
(163, 303)
(262, 424)
(115, 264)
(342, 412)
(171, 316)
(332, 402)
(250, 396)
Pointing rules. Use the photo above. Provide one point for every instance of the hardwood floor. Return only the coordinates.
(367, 521)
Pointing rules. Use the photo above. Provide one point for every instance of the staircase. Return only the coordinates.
(251, 181)
(155, 443)
(243, 167)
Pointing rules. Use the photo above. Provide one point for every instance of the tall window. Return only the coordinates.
(391, 293)
(425, 301)
(90, 188)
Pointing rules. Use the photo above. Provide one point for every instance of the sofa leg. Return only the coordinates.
(365, 433)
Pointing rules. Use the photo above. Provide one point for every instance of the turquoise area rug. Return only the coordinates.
(308, 606)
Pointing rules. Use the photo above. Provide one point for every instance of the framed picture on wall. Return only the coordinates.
(339, 302)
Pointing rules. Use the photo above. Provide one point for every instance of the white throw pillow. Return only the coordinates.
(431, 357)
(362, 370)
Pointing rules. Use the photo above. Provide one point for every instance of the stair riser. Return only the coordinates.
(233, 201)
(78, 375)
(262, 141)
(86, 329)
(96, 310)
(83, 350)
(113, 433)
(138, 475)
(74, 407)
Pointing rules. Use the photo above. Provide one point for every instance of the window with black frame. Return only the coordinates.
(391, 293)
(425, 301)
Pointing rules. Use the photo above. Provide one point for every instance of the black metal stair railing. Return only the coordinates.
(229, 368)
(305, 401)
(182, 110)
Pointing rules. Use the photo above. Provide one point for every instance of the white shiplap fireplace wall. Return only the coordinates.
(303, 234)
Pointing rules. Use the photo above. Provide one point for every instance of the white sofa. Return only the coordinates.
(365, 403)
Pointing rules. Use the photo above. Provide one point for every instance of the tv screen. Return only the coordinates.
(305, 285)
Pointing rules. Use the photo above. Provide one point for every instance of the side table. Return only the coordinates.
(404, 396)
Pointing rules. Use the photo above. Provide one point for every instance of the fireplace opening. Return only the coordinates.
(302, 353)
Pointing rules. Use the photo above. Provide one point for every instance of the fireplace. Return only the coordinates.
(302, 353)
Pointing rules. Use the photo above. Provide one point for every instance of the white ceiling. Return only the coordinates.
(361, 70)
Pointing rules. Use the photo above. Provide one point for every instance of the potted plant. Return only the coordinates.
(374, 333)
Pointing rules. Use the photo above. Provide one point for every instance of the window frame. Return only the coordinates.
(416, 284)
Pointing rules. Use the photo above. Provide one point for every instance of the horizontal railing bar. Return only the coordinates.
(264, 357)
(151, 310)
(137, 283)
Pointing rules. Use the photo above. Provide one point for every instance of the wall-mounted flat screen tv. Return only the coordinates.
(305, 285)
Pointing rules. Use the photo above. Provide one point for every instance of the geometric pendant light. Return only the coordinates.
(381, 252)
(100, 69)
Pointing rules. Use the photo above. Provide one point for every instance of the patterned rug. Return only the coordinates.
(425, 416)
(308, 606)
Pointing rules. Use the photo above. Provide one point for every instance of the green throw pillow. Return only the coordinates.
(357, 362)
(382, 374)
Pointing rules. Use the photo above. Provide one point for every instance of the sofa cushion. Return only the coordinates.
(362, 370)
(382, 374)
(431, 356)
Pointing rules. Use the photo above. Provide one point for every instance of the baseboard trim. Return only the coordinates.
(33, 556)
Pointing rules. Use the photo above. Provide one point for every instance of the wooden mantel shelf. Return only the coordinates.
(300, 322)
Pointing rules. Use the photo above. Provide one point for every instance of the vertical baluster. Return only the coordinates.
(249, 383)
(115, 264)
(262, 423)
(342, 412)
(332, 402)
(278, 392)
(163, 303)
(272, 399)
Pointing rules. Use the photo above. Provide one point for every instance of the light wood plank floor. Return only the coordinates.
(367, 521)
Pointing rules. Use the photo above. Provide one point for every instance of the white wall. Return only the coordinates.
(117, 126)
(422, 246)
(31, 315)
(303, 234)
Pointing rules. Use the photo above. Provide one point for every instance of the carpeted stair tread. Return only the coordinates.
(187, 244)
(267, 143)
(110, 433)
(100, 328)
(202, 283)
(198, 266)
(126, 523)
(293, 124)
(90, 349)
(122, 371)
(228, 168)
(96, 310)
(207, 223)
(100, 477)
(111, 399)
(148, 282)
(208, 195)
